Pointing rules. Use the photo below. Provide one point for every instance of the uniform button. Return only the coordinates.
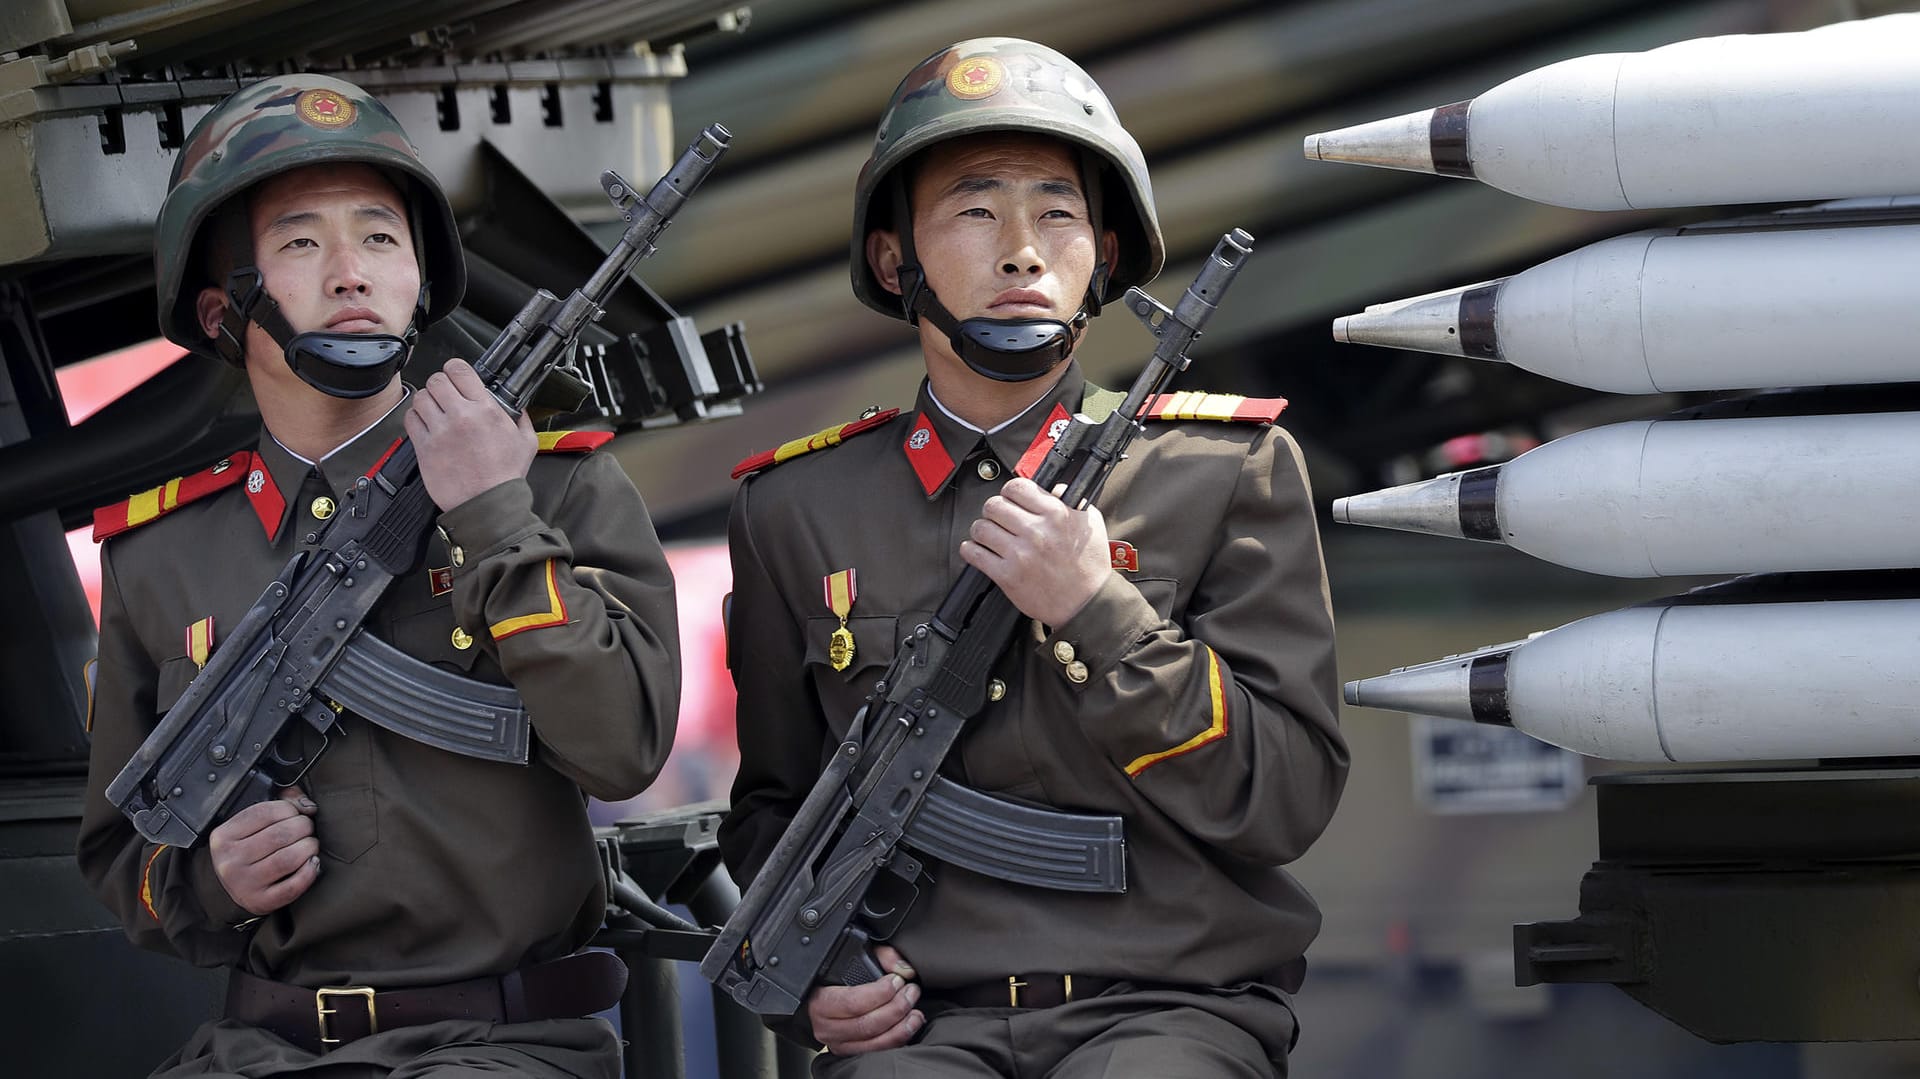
(464, 640)
(322, 508)
(1076, 671)
(459, 556)
(996, 689)
(988, 468)
(1063, 651)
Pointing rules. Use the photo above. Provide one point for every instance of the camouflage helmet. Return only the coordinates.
(282, 123)
(1006, 84)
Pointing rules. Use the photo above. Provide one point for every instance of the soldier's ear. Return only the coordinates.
(1110, 248)
(210, 306)
(883, 258)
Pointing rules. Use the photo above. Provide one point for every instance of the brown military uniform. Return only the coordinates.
(1194, 695)
(435, 868)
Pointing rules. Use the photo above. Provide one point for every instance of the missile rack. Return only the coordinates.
(1765, 899)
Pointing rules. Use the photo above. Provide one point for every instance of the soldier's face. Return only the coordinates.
(1000, 225)
(333, 246)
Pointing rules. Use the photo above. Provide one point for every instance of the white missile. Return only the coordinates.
(1732, 682)
(1703, 308)
(1827, 113)
(1655, 498)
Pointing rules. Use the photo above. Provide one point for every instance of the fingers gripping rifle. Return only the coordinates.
(261, 711)
(845, 871)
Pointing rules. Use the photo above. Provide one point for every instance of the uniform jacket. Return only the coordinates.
(434, 867)
(1204, 712)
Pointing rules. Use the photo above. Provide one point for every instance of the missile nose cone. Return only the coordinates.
(1455, 322)
(1401, 142)
(1431, 506)
(1454, 688)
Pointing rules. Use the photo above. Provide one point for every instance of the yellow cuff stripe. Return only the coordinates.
(146, 884)
(554, 615)
(1215, 731)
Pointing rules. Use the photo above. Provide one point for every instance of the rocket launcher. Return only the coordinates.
(261, 712)
(848, 867)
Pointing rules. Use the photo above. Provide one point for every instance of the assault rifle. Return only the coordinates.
(260, 713)
(846, 870)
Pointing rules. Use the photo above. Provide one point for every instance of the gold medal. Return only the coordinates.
(840, 591)
(840, 648)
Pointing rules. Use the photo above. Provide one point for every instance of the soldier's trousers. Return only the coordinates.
(1157, 1034)
(557, 1048)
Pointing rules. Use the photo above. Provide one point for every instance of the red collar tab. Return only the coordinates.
(1043, 441)
(109, 521)
(1222, 407)
(928, 455)
(268, 503)
(819, 440)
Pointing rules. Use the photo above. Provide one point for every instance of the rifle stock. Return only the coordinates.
(845, 872)
(301, 651)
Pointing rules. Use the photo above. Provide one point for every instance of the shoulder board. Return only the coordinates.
(819, 440)
(109, 521)
(573, 441)
(1224, 407)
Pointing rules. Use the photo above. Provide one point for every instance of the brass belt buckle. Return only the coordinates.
(321, 1010)
(1014, 985)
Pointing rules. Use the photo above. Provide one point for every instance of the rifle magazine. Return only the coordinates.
(434, 707)
(1044, 848)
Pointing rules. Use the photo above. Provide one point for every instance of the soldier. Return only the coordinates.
(1178, 669)
(402, 906)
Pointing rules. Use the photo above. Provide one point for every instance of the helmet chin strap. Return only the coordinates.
(347, 365)
(1002, 349)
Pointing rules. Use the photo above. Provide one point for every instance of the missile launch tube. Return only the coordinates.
(1654, 498)
(1687, 309)
(1825, 113)
(1736, 682)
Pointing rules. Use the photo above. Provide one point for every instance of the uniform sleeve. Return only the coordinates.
(1226, 719)
(579, 612)
(781, 729)
(167, 898)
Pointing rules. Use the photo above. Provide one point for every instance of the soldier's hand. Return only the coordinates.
(850, 1019)
(466, 442)
(266, 855)
(1048, 559)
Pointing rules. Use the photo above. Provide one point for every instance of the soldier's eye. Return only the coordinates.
(381, 237)
(301, 241)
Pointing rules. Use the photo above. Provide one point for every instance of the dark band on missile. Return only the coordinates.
(1479, 517)
(1476, 322)
(1487, 689)
(1448, 137)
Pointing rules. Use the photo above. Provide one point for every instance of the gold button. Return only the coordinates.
(1063, 651)
(988, 468)
(322, 507)
(464, 640)
(1076, 671)
(996, 689)
(459, 557)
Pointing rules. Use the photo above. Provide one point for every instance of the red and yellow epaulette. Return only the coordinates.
(109, 521)
(573, 441)
(1225, 407)
(819, 440)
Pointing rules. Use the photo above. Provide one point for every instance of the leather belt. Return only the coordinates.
(331, 1016)
(1025, 991)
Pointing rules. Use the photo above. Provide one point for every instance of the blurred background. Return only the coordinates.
(1446, 837)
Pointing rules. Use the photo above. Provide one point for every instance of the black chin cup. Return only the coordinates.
(1012, 350)
(350, 365)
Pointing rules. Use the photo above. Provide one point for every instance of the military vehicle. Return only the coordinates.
(517, 105)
